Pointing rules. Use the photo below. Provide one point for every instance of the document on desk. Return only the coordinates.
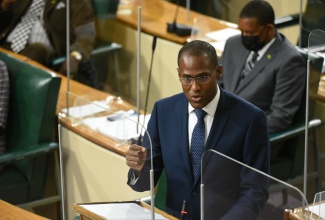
(121, 129)
(121, 211)
(87, 109)
(223, 34)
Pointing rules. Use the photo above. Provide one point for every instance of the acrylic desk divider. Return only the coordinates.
(112, 118)
(231, 188)
(200, 28)
(316, 45)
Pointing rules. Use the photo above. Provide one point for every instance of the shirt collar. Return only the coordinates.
(262, 51)
(210, 108)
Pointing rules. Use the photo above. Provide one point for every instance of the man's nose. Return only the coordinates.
(195, 85)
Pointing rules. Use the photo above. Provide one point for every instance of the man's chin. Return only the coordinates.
(197, 105)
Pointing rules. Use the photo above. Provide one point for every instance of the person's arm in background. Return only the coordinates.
(290, 85)
(83, 35)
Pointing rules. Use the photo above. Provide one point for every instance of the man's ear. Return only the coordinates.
(178, 72)
(219, 72)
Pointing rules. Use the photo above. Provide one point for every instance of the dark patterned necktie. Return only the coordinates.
(197, 142)
(249, 65)
(24, 28)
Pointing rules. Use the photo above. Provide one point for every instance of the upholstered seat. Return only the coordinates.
(30, 134)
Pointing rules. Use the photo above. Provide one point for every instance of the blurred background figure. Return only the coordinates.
(4, 105)
(37, 29)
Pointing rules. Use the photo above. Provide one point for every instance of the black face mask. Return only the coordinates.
(252, 43)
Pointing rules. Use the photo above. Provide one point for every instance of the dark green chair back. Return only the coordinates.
(105, 8)
(31, 123)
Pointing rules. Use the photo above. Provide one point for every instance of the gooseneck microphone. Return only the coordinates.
(179, 29)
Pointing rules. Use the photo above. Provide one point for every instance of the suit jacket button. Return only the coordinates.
(194, 193)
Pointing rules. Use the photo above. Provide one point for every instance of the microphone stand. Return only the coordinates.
(152, 193)
(138, 65)
(144, 116)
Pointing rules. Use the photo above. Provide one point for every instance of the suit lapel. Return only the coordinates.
(183, 127)
(242, 56)
(267, 57)
(219, 121)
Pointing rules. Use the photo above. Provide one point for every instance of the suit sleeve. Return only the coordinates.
(254, 186)
(150, 141)
(289, 87)
(83, 24)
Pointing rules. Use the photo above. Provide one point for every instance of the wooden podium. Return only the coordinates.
(86, 214)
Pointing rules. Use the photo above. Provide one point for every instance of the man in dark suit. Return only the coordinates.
(232, 126)
(47, 34)
(276, 81)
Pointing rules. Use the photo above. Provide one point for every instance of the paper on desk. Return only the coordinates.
(119, 211)
(88, 109)
(318, 210)
(218, 45)
(123, 129)
(223, 34)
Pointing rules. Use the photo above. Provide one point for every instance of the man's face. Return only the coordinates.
(199, 95)
(250, 27)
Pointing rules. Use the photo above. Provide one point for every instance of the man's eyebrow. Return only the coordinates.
(198, 75)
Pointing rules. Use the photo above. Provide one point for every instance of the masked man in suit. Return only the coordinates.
(275, 80)
(231, 126)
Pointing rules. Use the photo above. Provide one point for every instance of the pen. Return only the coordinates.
(184, 210)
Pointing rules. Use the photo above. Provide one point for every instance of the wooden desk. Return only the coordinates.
(11, 212)
(156, 13)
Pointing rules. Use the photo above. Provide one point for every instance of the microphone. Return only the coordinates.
(184, 210)
(154, 42)
(179, 29)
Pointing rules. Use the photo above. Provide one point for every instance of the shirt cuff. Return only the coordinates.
(133, 179)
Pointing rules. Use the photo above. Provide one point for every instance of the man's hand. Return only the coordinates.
(6, 3)
(136, 157)
(74, 63)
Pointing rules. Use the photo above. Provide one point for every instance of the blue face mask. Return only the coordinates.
(252, 43)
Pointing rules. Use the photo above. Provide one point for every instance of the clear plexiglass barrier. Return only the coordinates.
(110, 117)
(316, 46)
(233, 189)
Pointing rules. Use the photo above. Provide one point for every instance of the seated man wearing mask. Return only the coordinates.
(263, 67)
